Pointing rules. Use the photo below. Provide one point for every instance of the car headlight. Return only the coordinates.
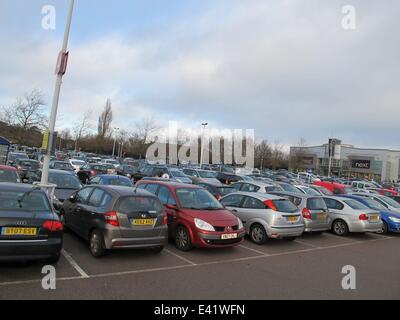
(394, 219)
(240, 225)
(202, 225)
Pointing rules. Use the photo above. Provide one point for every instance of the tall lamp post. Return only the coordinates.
(205, 124)
(115, 141)
(60, 71)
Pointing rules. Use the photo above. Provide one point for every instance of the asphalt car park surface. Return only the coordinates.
(309, 267)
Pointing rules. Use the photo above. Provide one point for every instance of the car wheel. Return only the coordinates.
(53, 259)
(96, 242)
(258, 234)
(385, 228)
(182, 239)
(340, 228)
(157, 249)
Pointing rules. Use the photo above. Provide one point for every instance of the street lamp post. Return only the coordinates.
(115, 141)
(205, 124)
(61, 68)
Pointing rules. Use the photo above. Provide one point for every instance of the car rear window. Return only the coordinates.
(20, 201)
(135, 204)
(316, 204)
(225, 190)
(8, 176)
(284, 205)
(354, 204)
(120, 182)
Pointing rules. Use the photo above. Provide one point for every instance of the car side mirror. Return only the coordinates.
(172, 206)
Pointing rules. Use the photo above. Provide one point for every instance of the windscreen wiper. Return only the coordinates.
(28, 193)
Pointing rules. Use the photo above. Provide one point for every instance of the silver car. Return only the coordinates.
(255, 186)
(265, 216)
(349, 215)
(315, 212)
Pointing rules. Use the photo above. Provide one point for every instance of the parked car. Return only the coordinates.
(61, 165)
(308, 190)
(387, 202)
(173, 174)
(113, 162)
(198, 175)
(265, 216)
(335, 188)
(111, 180)
(127, 170)
(321, 190)
(349, 215)
(313, 208)
(384, 192)
(77, 164)
(29, 228)
(255, 186)
(109, 167)
(9, 174)
(12, 156)
(227, 178)
(218, 190)
(390, 219)
(115, 217)
(288, 187)
(195, 217)
(89, 170)
(26, 168)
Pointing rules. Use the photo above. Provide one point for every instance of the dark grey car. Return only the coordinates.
(115, 217)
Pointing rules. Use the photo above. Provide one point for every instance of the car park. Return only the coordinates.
(89, 170)
(29, 227)
(195, 217)
(313, 208)
(111, 180)
(265, 216)
(390, 219)
(9, 174)
(349, 215)
(115, 217)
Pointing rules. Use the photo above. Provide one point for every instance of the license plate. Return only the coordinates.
(321, 216)
(19, 231)
(143, 222)
(292, 218)
(229, 236)
(374, 218)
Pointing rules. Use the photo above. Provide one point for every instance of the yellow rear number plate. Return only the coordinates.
(374, 218)
(292, 218)
(18, 231)
(143, 222)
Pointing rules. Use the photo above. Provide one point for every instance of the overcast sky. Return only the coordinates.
(285, 68)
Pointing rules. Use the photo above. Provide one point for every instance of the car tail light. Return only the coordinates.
(165, 218)
(363, 217)
(52, 225)
(270, 204)
(306, 213)
(112, 218)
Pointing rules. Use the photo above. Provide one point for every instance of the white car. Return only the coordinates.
(77, 164)
(114, 162)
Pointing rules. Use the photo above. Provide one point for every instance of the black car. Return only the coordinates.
(127, 170)
(218, 191)
(29, 227)
(26, 168)
(227, 178)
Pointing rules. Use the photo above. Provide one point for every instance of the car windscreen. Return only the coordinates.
(194, 198)
(290, 188)
(31, 164)
(62, 165)
(136, 204)
(207, 174)
(391, 202)
(177, 173)
(354, 204)
(284, 205)
(119, 182)
(65, 181)
(316, 204)
(8, 176)
(20, 201)
(374, 204)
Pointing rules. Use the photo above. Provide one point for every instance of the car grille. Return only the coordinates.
(222, 229)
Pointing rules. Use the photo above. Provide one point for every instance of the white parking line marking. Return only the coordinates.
(180, 257)
(254, 250)
(104, 275)
(74, 264)
(341, 238)
(306, 243)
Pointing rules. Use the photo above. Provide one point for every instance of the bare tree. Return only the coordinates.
(81, 128)
(105, 120)
(262, 154)
(27, 112)
(145, 128)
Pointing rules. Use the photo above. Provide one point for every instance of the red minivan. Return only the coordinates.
(335, 188)
(195, 217)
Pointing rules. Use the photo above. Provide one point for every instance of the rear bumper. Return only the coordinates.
(113, 240)
(365, 226)
(29, 250)
(285, 232)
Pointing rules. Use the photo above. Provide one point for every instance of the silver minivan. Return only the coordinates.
(265, 216)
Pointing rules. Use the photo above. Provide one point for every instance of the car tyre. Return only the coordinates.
(96, 244)
(385, 228)
(182, 239)
(258, 235)
(340, 228)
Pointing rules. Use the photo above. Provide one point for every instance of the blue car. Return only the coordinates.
(391, 220)
(111, 180)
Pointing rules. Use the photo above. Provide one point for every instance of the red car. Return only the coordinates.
(195, 217)
(9, 174)
(385, 192)
(335, 188)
